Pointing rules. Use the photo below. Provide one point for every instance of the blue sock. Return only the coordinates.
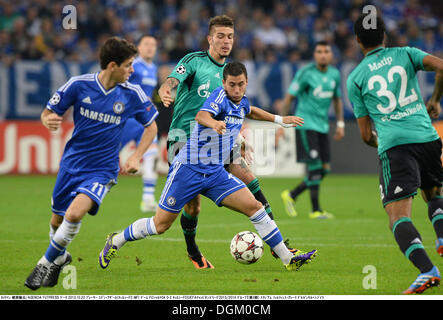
(54, 250)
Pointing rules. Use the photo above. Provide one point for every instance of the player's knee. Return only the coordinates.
(431, 193)
(162, 227)
(253, 207)
(193, 209)
(74, 216)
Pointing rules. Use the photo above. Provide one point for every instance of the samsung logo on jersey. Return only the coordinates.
(233, 120)
(100, 116)
(377, 65)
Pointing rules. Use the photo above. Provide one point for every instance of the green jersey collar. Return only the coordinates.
(215, 62)
(374, 51)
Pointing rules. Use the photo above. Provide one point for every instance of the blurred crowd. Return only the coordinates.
(265, 30)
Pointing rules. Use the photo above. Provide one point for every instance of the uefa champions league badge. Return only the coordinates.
(181, 69)
(55, 99)
(214, 106)
(118, 107)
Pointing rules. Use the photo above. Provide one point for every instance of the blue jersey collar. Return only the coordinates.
(105, 92)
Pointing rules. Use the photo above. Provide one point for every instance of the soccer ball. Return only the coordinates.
(246, 247)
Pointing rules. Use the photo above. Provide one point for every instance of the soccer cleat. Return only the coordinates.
(35, 279)
(299, 259)
(320, 215)
(439, 246)
(289, 203)
(200, 262)
(108, 251)
(425, 281)
(286, 242)
(146, 207)
(51, 277)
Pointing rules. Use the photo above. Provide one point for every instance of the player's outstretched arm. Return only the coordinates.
(166, 90)
(286, 122)
(132, 165)
(51, 120)
(367, 134)
(432, 63)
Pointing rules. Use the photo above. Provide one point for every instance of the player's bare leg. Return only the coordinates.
(163, 220)
(242, 201)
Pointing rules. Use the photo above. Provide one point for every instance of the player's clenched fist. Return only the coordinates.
(166, 91)
(51, 120)
(132, 165)
(220, 127)
(433, 108)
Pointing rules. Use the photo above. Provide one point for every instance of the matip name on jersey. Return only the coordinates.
(100, 116)
(377, 65)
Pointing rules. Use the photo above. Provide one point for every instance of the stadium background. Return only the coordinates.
(37, 56)
(273, 38)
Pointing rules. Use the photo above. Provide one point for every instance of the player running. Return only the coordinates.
(145, 75)
(384, 89)
(102, 103)
(316, 86)
(194, 78)
(198, 168)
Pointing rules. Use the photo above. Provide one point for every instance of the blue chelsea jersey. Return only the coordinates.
(145, 75)
(99, 116)
(206, 150)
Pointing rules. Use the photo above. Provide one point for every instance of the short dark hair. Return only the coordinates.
(321, 43)
(220, 21)
(116, 49)
(370, 37)
(234, 69)
(146, 35)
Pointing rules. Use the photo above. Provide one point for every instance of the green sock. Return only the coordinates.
(189, 227)
(254, 187)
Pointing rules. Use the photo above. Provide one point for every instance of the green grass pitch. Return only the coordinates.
(358, 237)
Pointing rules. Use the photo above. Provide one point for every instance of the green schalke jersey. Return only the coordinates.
(315, 90)
(384, 86)
(199, 74)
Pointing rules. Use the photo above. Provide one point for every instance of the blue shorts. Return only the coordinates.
(133, 131)
(67, 186)
(184, 184)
